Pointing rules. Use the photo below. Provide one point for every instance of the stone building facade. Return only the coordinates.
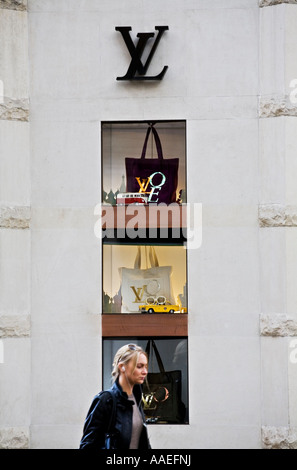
(232, 76)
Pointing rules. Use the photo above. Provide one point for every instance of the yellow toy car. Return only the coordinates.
(159, 308)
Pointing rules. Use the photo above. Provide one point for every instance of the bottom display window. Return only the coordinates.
(165, 390)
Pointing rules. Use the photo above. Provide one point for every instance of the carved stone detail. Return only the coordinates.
(15, 217)
(277, 215)
(269, 3)
(14, 438)
(276, 106)
(277, 325)
(279, 437)
(14, 110)
(12, 326)
(20, 5)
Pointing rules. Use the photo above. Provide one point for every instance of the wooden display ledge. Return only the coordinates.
(144, 325)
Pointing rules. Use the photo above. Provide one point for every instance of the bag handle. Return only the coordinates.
(158, 357)
(152, 256)
(157, 142)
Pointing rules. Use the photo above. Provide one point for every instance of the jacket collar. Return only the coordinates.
(117, 389)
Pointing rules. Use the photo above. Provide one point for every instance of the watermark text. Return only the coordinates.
(293, 352)
(1, 91)
(1, 352)
(151, 222)
(293, 94)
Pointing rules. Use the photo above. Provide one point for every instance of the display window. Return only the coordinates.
(165, 391)
(143, 162)
(144, 279)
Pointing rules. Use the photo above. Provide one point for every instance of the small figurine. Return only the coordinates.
(131, 198)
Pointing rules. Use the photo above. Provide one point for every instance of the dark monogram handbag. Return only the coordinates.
(162, 393)
(155, 177)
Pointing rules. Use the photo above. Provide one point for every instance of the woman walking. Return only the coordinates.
(129, 431)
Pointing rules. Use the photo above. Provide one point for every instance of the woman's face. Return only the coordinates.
(137, 375)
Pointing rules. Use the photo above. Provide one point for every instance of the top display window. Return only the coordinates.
(143, 163)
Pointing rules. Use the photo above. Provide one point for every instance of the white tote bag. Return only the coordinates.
(138, 284)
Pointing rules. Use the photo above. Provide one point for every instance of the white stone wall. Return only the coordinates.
(230, 67)
(278, 222)
(15, 324)
(76, 56)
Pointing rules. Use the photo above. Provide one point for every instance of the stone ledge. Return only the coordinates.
(270, 3)
(14, 110)
(14, 438)
(17, 217)
(277, 215)
(20, 5)
(279, 437)
(15, 326)
(277, 324)
(276, 106)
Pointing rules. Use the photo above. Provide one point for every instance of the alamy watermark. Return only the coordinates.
(293, 352)
(1, 351)
(293, 94)
(1, 91)
(150, 223)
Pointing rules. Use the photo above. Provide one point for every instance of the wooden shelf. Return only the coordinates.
(144, 325)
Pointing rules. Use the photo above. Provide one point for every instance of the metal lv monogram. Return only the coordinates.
(139, 292)
(136, 51)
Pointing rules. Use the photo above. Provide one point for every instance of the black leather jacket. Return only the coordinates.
(98, 417)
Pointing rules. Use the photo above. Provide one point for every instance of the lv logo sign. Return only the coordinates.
(143, 184)
(137, 70)
(139, 292)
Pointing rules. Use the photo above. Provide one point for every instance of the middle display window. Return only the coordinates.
(144, 279)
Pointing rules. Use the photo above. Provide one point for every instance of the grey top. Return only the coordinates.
(137, 424)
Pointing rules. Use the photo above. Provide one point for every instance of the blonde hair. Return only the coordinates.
(124, 355)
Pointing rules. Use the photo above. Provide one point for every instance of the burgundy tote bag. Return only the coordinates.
(155, 177)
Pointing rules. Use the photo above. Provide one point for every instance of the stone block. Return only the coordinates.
(15, 272)
(277, 325)
(279, 437)
(14, 438)
(15, 217)
(14, 326)
(14, 64)
(15, 167)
